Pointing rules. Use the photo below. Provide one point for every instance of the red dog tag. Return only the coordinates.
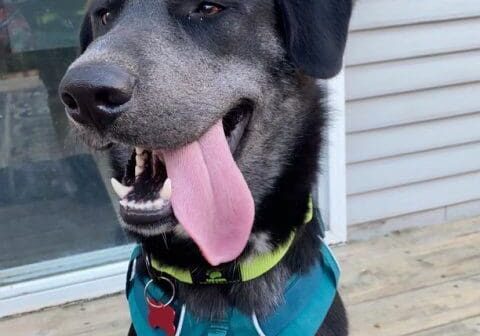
(162, 318)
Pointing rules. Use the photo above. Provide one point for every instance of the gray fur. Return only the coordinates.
(171, 95)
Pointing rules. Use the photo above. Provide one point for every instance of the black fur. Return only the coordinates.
(86, 34)
(312, 36)
(315, 34)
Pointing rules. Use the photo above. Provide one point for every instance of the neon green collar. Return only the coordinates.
(247, 270)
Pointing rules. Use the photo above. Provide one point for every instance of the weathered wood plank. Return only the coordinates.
(106, 317)
(386, 226)
(468, 327)
(411, 312)
(370, 14)
(418, 261)
(424, 237)
(410, 41)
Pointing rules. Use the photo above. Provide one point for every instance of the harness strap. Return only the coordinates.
(218, 328)
(308, 299)
(306, 312)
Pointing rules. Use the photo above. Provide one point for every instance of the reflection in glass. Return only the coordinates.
(53, 196)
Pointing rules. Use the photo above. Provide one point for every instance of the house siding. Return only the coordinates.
(413, 113)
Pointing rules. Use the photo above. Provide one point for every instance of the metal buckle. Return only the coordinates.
(147, 297)
(154, 279)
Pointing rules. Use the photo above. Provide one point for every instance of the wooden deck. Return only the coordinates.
(423, 282)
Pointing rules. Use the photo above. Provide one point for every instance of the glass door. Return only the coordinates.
(55, 201)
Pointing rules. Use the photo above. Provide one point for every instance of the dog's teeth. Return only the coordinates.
(166, 192)
(140, 161)
(158, 204)
(135, 206)
(121, 190)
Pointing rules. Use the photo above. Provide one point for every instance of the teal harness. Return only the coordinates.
(308, 298)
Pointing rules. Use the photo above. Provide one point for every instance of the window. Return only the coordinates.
(54, 196)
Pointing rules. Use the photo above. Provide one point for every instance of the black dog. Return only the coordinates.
(215, 124)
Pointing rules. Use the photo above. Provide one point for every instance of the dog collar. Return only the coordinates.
(307, 301)
(247, 270)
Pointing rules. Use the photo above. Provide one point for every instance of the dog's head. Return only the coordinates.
(196, 92)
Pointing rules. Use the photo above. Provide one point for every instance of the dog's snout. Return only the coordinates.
(96, 95)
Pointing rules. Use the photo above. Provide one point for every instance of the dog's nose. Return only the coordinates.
(96, 95)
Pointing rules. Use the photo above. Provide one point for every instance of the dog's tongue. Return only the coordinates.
(210, 197)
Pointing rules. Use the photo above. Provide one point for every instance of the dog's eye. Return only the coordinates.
(209, 8)
(105, 17)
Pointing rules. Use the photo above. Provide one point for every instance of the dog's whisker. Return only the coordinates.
(164, 235)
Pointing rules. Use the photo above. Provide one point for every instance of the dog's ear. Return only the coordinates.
(315, 34)
(86, 33)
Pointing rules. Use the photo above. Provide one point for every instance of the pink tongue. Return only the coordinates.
(210, 197)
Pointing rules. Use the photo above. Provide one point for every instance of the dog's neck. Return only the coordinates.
(261, 295)
(280, 213)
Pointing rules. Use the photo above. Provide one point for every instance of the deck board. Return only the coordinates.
(105, 317)
(422, 282)
(467, 327)
(410, 260)
(416, 310)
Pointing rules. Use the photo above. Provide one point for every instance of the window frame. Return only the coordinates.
(332, 186)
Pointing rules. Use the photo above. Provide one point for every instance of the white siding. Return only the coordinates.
(386, 78)
(416, 40)
(371, 14)
(413, 111)
(417, 197)
(413, 168)
(412, 107)
(418, 137)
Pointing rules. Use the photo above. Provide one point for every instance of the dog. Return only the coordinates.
(214, 122)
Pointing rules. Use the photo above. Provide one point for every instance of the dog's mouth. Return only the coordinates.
(146, 190)
(162, 189)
